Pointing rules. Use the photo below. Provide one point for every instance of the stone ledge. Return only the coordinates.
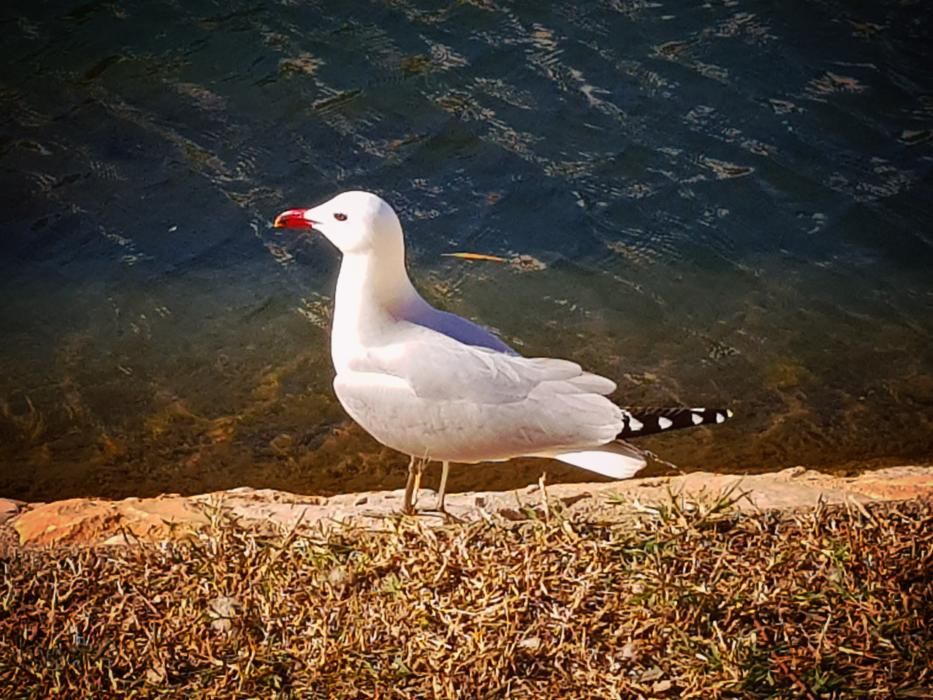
(171, 516)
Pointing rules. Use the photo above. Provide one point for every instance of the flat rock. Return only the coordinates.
(97, 521)
(91, 521)
(9, 508)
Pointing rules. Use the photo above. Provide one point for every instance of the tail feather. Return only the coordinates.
(617, 460)
(645, 421)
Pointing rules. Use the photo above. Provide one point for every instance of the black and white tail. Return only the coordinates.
(645, 421)
(620, 460)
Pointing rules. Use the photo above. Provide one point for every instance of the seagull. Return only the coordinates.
(438, 387)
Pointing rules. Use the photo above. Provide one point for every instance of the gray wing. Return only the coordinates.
(426, 394)
(455, 327)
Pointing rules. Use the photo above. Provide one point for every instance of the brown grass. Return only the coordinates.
(681, 603)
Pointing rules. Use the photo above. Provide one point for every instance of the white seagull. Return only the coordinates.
(436, 386)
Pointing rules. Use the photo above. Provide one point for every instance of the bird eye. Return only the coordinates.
(340, 217)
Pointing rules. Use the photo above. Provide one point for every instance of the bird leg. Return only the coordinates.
(412, 486)
(418, 471)
(442, 490)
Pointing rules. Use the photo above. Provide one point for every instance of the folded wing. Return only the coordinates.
(464, 403)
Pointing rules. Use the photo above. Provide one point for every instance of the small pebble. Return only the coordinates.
(576, 498)
(530, 643)
(512, 514)
(222, 610)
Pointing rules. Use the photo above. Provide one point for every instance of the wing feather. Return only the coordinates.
(436, 366)
(447, 400)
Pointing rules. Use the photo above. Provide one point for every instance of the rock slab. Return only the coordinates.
(171, 516)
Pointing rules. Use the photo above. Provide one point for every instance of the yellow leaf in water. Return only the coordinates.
(475, 256)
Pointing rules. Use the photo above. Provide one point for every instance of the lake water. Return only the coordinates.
(722, 203)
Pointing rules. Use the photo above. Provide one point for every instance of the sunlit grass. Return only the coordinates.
(687, 599)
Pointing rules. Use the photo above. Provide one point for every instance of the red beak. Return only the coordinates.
(293, 218)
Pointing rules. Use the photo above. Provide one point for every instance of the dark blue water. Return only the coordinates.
(720, 203)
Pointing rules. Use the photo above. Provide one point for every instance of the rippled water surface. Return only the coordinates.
(719, 203)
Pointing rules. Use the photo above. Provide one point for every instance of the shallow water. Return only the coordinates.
(724, 204)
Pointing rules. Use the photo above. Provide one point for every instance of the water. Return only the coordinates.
(723, 203)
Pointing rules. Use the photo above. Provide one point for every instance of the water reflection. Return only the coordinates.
(719, 202)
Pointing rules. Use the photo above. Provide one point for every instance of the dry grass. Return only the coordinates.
(680, 603)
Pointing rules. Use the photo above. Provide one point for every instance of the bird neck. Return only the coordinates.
(373, 292)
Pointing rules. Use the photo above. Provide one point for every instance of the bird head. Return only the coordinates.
(355, 222)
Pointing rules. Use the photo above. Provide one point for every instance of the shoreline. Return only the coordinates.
(92, 521)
